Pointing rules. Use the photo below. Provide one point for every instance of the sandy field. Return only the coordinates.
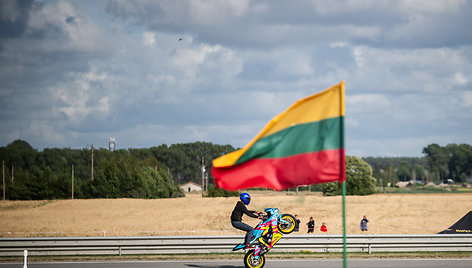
(194, 215)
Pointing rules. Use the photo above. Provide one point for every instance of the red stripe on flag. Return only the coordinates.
(282, 173)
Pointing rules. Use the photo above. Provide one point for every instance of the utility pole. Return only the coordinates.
(203, 176)
(12, 176)
(92, 164)
(72, 182)
(3, 170)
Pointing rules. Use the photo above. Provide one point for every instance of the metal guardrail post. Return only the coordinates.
(25, 258)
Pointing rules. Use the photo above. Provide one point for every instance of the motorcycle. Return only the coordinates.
(266, 234)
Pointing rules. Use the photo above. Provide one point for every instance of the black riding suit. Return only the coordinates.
(236, 217)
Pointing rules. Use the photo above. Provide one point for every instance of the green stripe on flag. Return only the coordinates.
(298, 139)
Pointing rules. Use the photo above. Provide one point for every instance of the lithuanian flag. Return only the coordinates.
(303, 145)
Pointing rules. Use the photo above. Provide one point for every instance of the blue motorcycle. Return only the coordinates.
(266, 234)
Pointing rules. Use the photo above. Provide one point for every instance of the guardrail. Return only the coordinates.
(62, 246)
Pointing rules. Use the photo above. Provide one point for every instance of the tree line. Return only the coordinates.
(34, 175)
(439, 164)
(156, 172)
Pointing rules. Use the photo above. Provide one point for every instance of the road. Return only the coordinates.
(274, 263)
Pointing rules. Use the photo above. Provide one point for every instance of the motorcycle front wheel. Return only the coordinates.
(250, 260)
(286, 224)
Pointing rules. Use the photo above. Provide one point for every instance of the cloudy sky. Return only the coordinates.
(75, 73)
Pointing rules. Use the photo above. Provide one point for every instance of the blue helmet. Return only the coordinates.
(245, 197)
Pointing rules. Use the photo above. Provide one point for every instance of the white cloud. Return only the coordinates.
(460, 78)
(427, 70)
(64, 28)
(269, 24)
(77, 98)
(216, 63)
(81, 73)
(431, 7)
(149, 39)
(292, 63)
(337, 44)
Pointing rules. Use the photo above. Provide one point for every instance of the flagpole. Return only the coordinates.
(344, 225)
(343, 175)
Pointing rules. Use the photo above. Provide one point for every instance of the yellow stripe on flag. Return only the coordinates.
(323, 105)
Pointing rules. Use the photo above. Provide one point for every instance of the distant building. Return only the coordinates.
(111, 144)
(190, 186)
(410, 183)
(403, 184)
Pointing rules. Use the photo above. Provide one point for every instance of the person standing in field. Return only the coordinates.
(323, 228)
(363, 224)
(237, 215)
(311, 225)
(297, 224)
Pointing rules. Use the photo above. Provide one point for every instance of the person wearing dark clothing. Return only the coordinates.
(297, 224)
(364, 222)
(241, 209)
(237, 215)
(311, 225)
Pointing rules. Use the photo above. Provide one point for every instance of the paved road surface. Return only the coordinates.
(293, 263)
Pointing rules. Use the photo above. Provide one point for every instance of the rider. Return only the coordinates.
(237, 214)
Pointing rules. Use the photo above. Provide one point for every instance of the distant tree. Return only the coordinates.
(420, 172)
(404, 171)
(47, 174)
(392, 169)
(437, 158)
(460, 161)
(450, 162)
(19, 153)
(184, 160)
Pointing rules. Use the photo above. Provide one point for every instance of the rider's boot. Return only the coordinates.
(243, 246)
(239, 246)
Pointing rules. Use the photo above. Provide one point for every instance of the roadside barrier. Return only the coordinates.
(70, 246)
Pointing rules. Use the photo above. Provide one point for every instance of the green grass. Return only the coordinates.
(424, 190)
(24, 205)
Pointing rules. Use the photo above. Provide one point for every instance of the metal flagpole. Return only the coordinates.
(344, 225)
(343, 175)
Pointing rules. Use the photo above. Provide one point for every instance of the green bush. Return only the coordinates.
(359, 180)
(214, 191)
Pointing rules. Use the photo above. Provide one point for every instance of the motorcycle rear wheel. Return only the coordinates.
(288, 225)
(251, 262)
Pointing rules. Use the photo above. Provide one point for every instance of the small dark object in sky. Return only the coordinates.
(180, 39)
(70, 20)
